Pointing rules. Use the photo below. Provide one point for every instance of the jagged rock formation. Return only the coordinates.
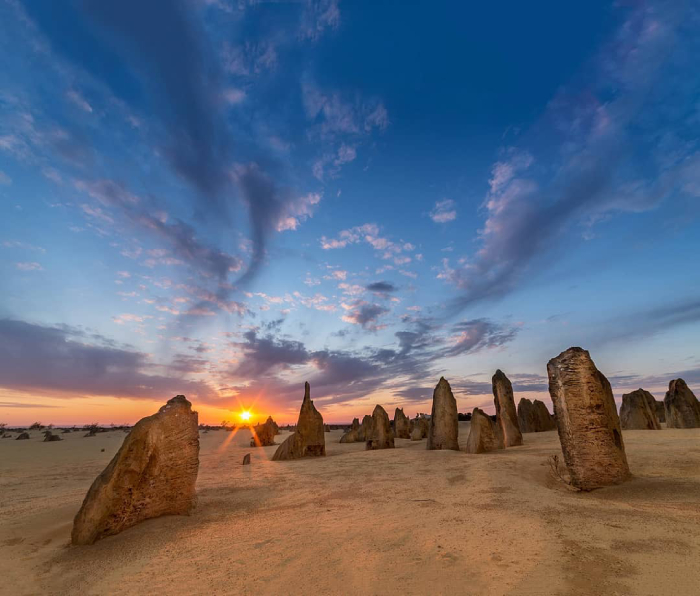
(589, 428)
(153, 474)
(22, 436)
(637, 411)
(506, 414)
(264, 434)
(365, 431)
(49, 436)
(382, 436)
(484, 434)
(681, 405)
(246, 459)
(420, 428)
(308, 439)
(534, 417)
(353, 435)
(443, 430)
(401, 424)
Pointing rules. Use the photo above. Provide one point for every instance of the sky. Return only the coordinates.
(227, 198)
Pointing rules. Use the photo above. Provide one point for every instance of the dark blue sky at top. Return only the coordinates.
(240, 196)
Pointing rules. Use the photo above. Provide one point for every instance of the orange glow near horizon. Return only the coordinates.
(245, 415)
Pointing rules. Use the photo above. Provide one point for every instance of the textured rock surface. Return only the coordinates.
(420, 429)
(506, 414)
(443, 430)
(660, 411)
(681, 405)
(264, 434)
(589, 428)
(401, 424)
(308, 440)
(484, 434)
(353, 435)
(638, 411)
(382, 436)
(534, 417)
(153, 474)
(365, 431)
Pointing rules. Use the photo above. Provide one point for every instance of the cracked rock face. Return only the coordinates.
(308, 440)
(153, 474)
(401, 425)
(638, 411)
(506, 414)
(681, 406)
(443, 430)
(484, 434)
(382, 436)
(589, 428)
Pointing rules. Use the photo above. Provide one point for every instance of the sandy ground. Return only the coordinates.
(401, 521)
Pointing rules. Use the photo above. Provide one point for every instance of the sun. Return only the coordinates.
(245, 416)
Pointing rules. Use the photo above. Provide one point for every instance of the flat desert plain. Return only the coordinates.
(399, 521)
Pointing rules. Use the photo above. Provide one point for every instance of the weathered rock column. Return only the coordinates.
(153, 474)
(382, 436)
(308, 439)
(636, 411)
(506, 414)
(365, 431)
(681, 406)
(401, 425)
(589, 428)
(443, 430)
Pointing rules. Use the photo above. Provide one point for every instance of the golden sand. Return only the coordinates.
(400, 521)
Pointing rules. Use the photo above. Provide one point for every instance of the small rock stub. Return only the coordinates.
(382, 435)
(636, 413)
(534, 417)
(401, 424)
(264, 434)
(587, 420)
(681, 406)
(421, 426)
(506, 414)
(484, 434)
(353, 435)
(308, 440)
(443, 430)
(153, 474)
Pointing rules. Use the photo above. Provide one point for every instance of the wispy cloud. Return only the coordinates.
(597, 170)
(444, 211)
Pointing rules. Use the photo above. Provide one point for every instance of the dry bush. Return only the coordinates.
(557, 469)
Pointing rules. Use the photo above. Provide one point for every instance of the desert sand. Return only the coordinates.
(394, 521)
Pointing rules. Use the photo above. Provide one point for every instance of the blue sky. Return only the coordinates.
(225, 199)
